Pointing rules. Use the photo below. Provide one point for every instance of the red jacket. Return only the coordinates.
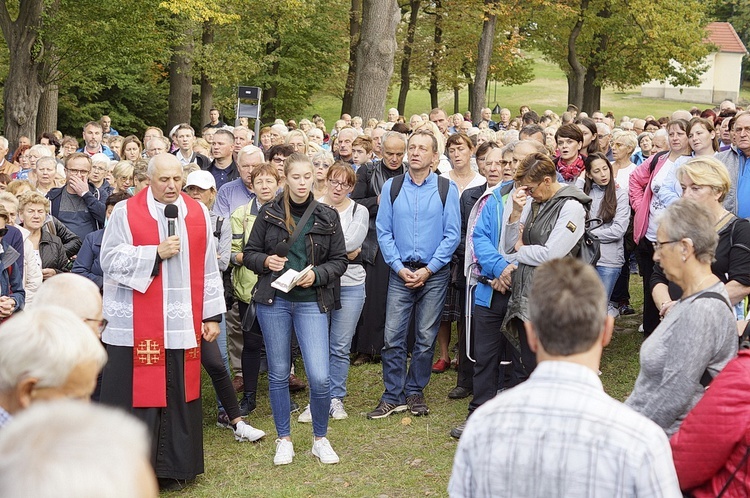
(715, 436)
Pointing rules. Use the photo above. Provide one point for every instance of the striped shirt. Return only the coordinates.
(559, 434)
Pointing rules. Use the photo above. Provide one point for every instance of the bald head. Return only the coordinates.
(75, 293)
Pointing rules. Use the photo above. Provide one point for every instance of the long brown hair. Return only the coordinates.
(608, 207)
(290, 161)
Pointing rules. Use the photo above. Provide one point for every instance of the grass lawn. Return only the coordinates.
(548, 90)
(394, 457)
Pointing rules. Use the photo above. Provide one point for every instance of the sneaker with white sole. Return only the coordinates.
(613, 310)
(246, 432)
(322, 449)
(284, 452)
(306, 416)
(337, 411)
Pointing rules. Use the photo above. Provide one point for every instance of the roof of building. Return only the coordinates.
(723, 35)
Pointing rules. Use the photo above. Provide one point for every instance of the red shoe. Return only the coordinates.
(440, 366)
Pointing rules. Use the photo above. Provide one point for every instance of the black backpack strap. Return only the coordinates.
(396, 184)
(444, 186)
(654, 161)
(219, 222)
(706, 378)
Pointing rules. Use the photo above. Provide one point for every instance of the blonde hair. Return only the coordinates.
(33, 198)
(709, 171)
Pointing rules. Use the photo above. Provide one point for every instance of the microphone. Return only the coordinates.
(170, 211)
(282, 249)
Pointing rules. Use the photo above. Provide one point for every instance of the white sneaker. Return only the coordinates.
(306, 416)
(246, 432)
(337, 409)
(284, 452)
(322, 449)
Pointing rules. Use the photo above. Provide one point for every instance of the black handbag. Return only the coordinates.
(590, 246)
(250, 315)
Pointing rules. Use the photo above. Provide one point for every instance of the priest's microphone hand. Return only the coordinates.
(210, 331)
(169, 247)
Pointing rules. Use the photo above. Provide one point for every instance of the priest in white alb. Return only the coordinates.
(162, 292)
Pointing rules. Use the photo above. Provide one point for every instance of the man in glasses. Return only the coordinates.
(735, 159)
(76, 203)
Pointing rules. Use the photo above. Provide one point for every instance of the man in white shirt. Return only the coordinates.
(559, 434)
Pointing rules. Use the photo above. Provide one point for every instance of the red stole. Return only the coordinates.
(149, 355)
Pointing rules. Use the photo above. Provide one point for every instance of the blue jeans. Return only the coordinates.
(609, 278)
(311, 326)
(343, 324)
(427, 305)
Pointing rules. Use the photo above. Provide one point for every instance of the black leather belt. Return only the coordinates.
(414, 265)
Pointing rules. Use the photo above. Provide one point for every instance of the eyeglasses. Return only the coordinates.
(101, 323)
(97, 168)
(658, 245)
(278, 159)
(81, 172)
(336, 184)
(531, 188)
(319, 164)
(617, 145)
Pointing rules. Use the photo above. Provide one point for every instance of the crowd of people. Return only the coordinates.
(372, 241)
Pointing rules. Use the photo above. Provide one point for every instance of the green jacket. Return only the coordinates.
(242, 223)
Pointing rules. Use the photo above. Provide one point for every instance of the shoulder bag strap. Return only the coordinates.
(302, 222)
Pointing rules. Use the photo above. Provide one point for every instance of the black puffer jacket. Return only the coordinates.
(325, 250)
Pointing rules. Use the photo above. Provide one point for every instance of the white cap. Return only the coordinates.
(201, 179)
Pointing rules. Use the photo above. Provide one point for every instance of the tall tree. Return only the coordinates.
(181, 74)
(23, 88)
(355, 29)
(376, 51)
(484, 54)
(411, 28)
(620, 43)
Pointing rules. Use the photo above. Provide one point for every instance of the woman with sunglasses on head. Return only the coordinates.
(309, 234)
(547, 222)
(354, 223)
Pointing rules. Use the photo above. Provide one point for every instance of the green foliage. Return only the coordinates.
(736, 12)
(627, 42)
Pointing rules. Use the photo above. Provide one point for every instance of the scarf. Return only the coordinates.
(571, 171)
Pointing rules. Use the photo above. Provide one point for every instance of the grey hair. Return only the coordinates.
(47, 159)
(45, 342)
(687, 219)
(78, 454)
(4, 143)
(540, 147)
(43, 150)
(325, 154)
(280, 128)
(8, 197)
(509, 147)
(627, 137)
(71, 291)
(393, 134)
(249, 150)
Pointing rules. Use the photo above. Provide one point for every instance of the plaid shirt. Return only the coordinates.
(5, 417)
(559, 434)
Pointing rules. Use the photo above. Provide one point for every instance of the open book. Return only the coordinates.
(289, 279)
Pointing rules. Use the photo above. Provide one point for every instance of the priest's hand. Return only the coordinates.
(210, 331)
(168, 247)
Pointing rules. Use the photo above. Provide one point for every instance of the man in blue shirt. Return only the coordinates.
(92, 137)
(735, 159)
(418, 234)
(239, 192)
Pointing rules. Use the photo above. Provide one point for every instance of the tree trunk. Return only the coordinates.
(23, 87)
(466, 70)
(436, 49)
(406, 61)
(207, 88)
(355, 30)
(269, 93)
(456, 95)
(577, 72)
(181, 79)
(484, 55)
(375, 57)
(592, 93)
(46, 118)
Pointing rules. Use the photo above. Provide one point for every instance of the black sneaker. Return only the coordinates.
(384, 409)
(458, 430)
(626, 309)
(417, 405)
(222, 420)
(247, 404)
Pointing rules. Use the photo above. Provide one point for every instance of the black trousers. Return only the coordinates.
(176, 431)
(251, 350)
(644, 253)
(217, 370)
(490, 348)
